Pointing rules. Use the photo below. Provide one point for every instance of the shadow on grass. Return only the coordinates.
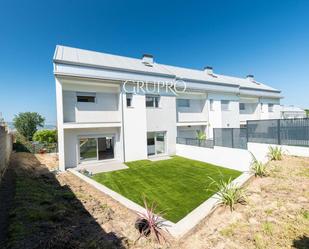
(45, 214)
(301, 242)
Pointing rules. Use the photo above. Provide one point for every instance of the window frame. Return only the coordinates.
(187, 101)
(270, 107)
(227, 104)
(155, 101)
(85, 95)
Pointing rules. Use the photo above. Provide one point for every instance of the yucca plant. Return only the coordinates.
(275, 153)
(151, 225)
(229, 193)
(200, 135)
(257, 167)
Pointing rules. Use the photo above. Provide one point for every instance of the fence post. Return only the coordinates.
(279, 139)
(214, 136)
(232, 131)
(247, 133)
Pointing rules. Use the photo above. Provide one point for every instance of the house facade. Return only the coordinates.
(118, 108)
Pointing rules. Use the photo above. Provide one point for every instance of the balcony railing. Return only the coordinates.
(206, 143)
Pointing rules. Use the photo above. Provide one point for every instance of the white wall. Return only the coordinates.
(196, 112)
(135, 128)
(105, 108)
(222, 156)
(164, 119)
(71, 143)
(190, 132)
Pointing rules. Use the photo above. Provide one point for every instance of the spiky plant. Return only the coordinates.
(200, 135)
(151, 225)
(257, 167)
(275, 153)
(228, 193)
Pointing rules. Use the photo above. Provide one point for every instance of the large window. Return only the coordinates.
(225, 105)
(152, 101)
(85, 97)
(183, 102)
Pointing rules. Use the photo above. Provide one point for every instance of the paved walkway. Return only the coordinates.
(99, 167)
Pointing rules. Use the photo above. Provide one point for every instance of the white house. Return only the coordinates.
(101, 115)
(292, 112)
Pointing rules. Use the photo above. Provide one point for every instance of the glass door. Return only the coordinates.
(155, 143)
(160, 143)
(88, 149)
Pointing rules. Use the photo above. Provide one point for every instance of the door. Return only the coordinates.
(105, 148)
(88, 149)
(155, 143)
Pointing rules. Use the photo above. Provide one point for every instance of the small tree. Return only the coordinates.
(45, 136)
(200, 135)
(27, 123)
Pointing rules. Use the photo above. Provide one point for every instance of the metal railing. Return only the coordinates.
(206, 143)
(293, 132)
(230, 137)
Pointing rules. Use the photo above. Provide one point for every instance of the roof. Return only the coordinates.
(76, 56)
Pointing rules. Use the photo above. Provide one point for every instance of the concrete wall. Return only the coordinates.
(71, 143)
(164, 119)
(190, 132)
(6, 144)
(105, 109)
(135, 128)
(196, 112)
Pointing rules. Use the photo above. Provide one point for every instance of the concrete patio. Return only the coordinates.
(100, 167)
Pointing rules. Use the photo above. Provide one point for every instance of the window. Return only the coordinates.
(86, 97)
(183, 102)
(152, 101)
(270, 107)
(211, 103)
(225, 105)
(242, 106)
(129, 99)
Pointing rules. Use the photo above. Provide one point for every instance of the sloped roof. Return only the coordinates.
(69, 55)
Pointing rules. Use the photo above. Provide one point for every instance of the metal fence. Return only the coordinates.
(293, 132)
(207, 143)
(230, 137)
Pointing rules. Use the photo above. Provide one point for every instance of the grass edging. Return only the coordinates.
(183, 226)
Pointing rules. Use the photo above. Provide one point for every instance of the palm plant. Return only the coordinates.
(257, 167)
(200, 135)
(228, 193)
(275, 153)
(149, 224)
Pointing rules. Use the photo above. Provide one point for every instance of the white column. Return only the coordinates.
(59, 104)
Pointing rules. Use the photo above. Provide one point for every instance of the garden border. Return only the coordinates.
(183, 226)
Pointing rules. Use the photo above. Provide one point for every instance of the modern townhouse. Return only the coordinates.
(118, 108)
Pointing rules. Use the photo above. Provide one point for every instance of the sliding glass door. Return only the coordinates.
(96, 148)
(156, 143)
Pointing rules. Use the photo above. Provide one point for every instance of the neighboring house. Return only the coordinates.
(292, 112)
(99, 117)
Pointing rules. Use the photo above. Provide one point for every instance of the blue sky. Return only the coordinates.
(269, 39)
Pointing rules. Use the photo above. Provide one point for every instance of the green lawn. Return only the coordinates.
(177, 185)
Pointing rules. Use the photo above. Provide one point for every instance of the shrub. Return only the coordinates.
(275, 153)
(200, 135)
(27, 123)
(257, 167)
(45, 136)
(229, 193)
(149, 224)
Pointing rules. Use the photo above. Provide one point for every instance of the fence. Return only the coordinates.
(207, 143)
(294, 132)
(230, 137)
(5, 148)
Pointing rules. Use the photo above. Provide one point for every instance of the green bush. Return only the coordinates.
(257, 167)
(275, 153)
(45, 136)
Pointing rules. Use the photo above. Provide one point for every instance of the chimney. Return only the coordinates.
(208, 70)
(147, 59)
(250, 77)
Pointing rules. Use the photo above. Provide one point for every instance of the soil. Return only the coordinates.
(276, 214)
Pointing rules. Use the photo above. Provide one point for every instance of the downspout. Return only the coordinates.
(122, 125)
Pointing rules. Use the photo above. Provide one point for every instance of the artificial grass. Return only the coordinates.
(176, 185)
